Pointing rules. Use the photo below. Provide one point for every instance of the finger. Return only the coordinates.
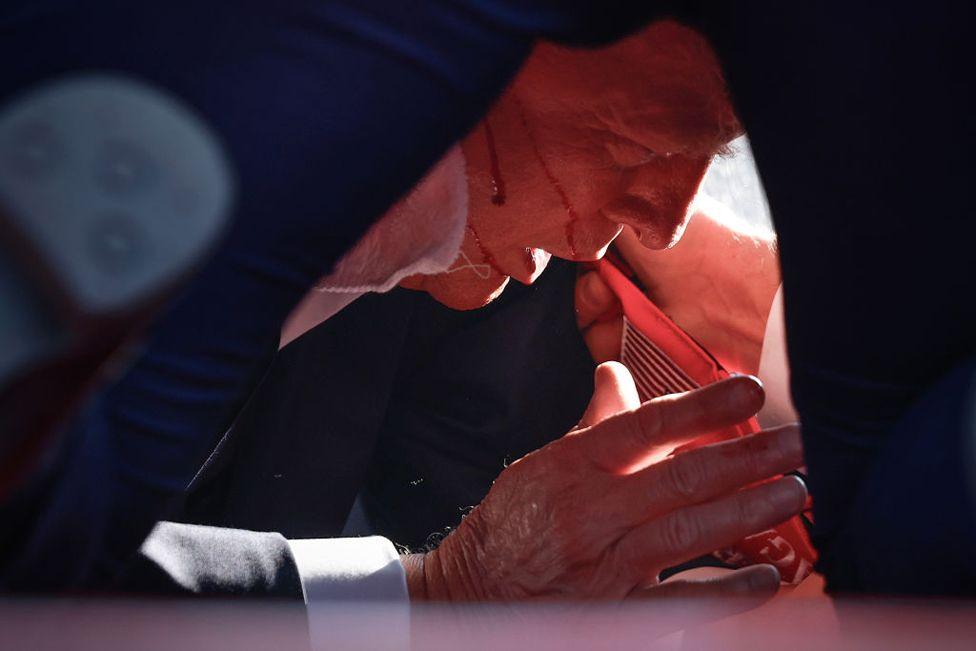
(748, 587)
(698, 602)
(708, 472)
(613, 392)
(627, 440)
(594, 299)
(692, 531)
(603, 339)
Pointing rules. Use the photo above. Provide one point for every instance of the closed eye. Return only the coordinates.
(626, 153)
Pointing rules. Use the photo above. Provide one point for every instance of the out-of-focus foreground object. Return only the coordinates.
(110, 192)
(794, 623)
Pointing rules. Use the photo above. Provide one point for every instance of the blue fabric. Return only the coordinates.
(913, 530)
(861, 123)
(329, 112)
(412, 405)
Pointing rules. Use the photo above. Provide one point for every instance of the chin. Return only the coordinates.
(461, 297)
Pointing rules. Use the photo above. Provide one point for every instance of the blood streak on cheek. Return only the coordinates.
(556, 185)
(498, 195)
(485, 253)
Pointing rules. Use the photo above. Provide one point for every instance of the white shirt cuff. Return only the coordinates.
(336, 571)
(349, 569)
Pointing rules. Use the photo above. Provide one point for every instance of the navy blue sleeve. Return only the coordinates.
(913, 529)
(329, 111)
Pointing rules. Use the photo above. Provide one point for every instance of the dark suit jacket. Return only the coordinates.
(183, 559)
(860, 121)
(369, 96)
(412, 405)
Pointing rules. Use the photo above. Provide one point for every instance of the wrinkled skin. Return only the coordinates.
(587, 142)
(717, 283)
(627, 510)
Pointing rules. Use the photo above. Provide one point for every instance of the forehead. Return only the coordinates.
(661, 88)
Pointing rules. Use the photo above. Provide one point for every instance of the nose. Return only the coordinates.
(659, 239)
(655, 198)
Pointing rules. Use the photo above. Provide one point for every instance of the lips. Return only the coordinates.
(525, 265)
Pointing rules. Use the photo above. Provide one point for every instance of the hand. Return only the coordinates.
(599, 513)
(598, 317)
(717, 283)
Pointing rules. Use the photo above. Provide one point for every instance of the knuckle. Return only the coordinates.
(681, 532)
(553, 456)
(744, 460)
(648, 425)
(746, 510)
(752, 458)
(620, 560)
(685, 475)
(789, 445)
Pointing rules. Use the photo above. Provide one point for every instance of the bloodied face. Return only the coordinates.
(583, 143)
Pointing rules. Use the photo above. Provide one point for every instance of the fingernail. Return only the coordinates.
(788, 442)
(748, 392)
(764, 577)
(789, 494)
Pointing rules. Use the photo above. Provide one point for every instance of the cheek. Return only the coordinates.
(571, 225)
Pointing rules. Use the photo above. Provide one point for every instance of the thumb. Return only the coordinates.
(613, 392)
(594, 300)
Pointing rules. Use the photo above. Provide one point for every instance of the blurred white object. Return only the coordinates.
(734, 181)
(111, 190)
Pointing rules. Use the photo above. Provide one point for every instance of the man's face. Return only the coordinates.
(583, 143)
